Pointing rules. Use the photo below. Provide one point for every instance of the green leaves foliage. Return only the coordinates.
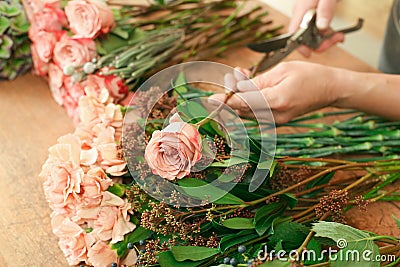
(356, 244)
(166, 259)
(266, 215)
(139, 233)
(182, 253)
(203, 190)
(239, 223)
(231, 240)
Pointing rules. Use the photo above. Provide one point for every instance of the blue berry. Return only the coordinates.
(129, 245)
(227, 260)
(250, 263)
(241, 249)
(234, 262)
(114, 264)
(142, 251)
(142, 242)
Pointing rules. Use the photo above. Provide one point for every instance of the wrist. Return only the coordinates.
(348, 86)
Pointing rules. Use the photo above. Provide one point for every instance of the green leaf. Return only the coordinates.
(117, 189)
(290, 199)
(193, 253)
(8, 10)
(239, 223)
(229, 162)
(166, 259)
(291, 235)
(202, 190)
(138, 234)
(229, 241)
(396, 220)
(6, 44)
(313, 247)
(356, 243)
(266, 215)
(118, 31)
(4, 24)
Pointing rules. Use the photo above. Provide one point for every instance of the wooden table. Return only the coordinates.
(31, 122)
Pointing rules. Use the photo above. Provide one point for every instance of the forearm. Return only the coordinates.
(374, 93)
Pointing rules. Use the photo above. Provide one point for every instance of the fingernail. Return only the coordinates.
(322, 23)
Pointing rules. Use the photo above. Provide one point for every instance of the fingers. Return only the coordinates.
(336, 38)
(242, 101)
(305, 51)
(325, 12)
(299, 9)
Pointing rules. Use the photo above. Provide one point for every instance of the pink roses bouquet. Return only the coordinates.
(63, 40)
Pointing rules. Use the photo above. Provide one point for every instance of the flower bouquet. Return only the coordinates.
(175, 180)
(166, 178)
(114, 45)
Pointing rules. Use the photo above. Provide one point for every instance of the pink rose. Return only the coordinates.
(40, 67)
(44, 41)
(89, 18)
(74, 242)
(101, 255)
(73, 52)
(172, 152)
(56, 78)
(50, 18)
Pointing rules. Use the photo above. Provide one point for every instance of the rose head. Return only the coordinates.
(89, 18)
(173, 151)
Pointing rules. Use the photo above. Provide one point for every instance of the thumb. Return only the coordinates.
(325, 12)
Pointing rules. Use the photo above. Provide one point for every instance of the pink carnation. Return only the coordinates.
(101, 255)
(113, 219)
(74, 242)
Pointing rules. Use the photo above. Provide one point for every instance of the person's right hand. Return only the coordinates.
(325, 11)
(291, 89)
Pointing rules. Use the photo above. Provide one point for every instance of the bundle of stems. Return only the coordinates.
(180, 31)
(359, 133)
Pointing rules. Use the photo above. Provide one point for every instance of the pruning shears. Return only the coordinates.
(279, 47)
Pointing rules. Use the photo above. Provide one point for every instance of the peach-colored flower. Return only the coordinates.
(101, 255)
(94, 183)
(41, 68)
(114, 84)
(89, 18)
(74, 242)
(73, 52)
(172, 152)
(113, 219)
(63, 174)
(56, 78)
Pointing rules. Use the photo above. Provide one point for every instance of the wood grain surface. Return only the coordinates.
(31, 122)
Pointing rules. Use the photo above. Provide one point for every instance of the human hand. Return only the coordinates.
(325, 12)
(291, 89)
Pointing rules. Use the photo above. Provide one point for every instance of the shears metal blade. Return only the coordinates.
(279, 47)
